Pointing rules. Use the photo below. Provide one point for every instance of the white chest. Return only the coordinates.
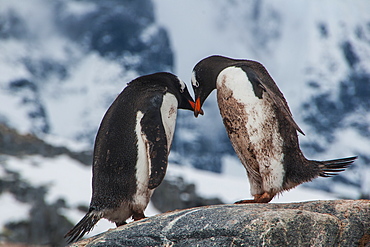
(252, 125)
(234, 85)
(142, 166)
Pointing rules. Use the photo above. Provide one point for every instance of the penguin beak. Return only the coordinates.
(197, 108)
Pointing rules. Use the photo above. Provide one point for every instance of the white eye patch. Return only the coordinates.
(194, 81)
(182, 85)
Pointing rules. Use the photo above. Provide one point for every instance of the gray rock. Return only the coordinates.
(316, 223)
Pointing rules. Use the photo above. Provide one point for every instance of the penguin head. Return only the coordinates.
(183, 96)
(177, 87)
(204, 78)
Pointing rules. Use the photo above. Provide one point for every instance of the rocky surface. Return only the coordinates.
(316, 223)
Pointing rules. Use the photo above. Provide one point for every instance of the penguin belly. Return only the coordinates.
(140, 199)
(142, 196)
(253, 130)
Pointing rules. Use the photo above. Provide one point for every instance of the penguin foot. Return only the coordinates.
(138, 216)
(245, 201)
(120, 223)
(262, 198)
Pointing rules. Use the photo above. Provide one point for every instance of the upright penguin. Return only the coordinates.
(131, 149)
(260, 126)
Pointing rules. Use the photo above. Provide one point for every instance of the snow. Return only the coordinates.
(148, 33)
(80, 8)
(11, 209)
(63, 175)
(83, 96)
(71, 144)
(347, 138)
(196, 35)
(19, 121)
(12, 68)
(232, 166)
(365, 176)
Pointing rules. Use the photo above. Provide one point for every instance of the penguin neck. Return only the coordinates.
(232, 78)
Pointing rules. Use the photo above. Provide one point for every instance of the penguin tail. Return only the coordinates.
(331, 168)
(84, 226)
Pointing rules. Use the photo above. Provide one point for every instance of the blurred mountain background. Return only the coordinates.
(63, 62)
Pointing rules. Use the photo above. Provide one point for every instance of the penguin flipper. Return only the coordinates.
(283, 106)
(156, 146)
(277, 97)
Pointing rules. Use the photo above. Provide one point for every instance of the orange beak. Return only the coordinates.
(197, 108)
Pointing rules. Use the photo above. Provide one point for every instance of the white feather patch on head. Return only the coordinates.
(194, 81)
(182, 85)
(262, 126)
(169, 114)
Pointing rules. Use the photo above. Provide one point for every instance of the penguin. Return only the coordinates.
(131, 149)
(260, 126)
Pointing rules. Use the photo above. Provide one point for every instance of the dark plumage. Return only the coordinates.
(131, 149)
(260, 126)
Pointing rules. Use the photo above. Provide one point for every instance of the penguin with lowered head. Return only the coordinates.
(260, 126)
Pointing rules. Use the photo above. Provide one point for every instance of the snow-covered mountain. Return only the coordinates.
(63, 62)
